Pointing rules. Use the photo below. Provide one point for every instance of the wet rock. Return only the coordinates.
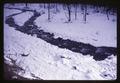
(54, 42)
(103, 52)
(10, 21)
(33, 31)
(107, 50)
(24, 54)
(99, 56)
(73, 49)
(59, 39)
(74, 67)
(85, 51)
(62, 57)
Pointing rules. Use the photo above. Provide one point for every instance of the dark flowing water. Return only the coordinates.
(98, 53)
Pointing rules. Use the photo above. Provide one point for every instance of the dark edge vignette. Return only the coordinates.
(118, 42)
(2, 42)
(112, 3)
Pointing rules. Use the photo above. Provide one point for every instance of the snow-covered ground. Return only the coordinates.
(98, 31)
(44, 60)
(22, 18)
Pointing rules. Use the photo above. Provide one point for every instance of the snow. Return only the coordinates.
(22, 18)
(41, 59)
(44, 60)
(98, 31)
(12, 11)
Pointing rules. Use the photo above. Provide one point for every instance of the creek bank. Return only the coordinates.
(29, 27)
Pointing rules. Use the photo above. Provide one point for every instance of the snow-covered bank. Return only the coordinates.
(50, 62)
(44, 59)
(99, 53)
(98, 31)
(22, 18)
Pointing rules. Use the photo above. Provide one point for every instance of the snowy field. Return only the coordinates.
(98, 31)
(44, 60)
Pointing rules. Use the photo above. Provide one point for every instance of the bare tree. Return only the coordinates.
(55, 6)
(44, 5)
(82, 7)
(97, 9)
(107, 12)
(85, 13)
(75, 5)
(64, 6)
(69, 12)
(26, 5)
(49, 12)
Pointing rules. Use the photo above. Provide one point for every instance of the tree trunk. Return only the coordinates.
(48, 12)
(75, 11)
(44, 5)
(64, 6)
(108, 15)
(69, 12)
(107, 12)
(56, 7)
(85, 13)
(26, 5)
